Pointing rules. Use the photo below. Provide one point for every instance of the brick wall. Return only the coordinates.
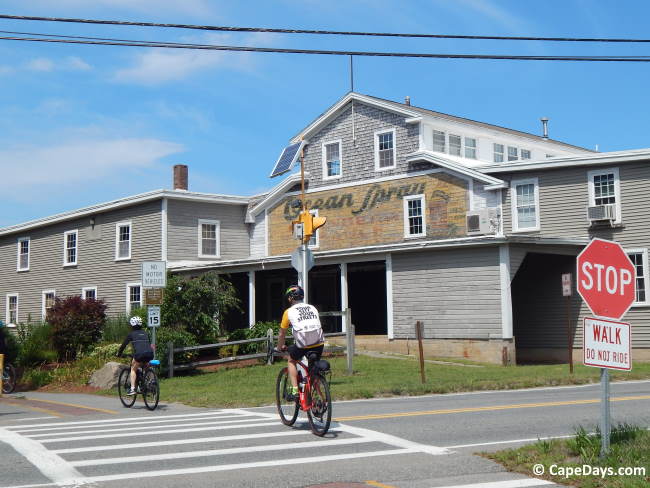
(372, 214)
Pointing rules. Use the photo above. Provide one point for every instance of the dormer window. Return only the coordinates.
(439, 141)
(498, 153)
(454, 145)
(470, 148)
(332, 159)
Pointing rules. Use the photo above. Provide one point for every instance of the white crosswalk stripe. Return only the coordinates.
(103, 450)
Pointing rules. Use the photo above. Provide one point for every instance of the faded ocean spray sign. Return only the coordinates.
(374, 196)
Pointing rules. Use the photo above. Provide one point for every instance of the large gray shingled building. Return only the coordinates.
(463, 225)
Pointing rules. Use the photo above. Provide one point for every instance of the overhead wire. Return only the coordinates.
(211, 47)
(320, 32)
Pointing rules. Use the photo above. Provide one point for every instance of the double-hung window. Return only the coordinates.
(123, 241)
(24, 245)
(513, 153)
(414, 216)
(48, 301)
(525, 154)
(12, 309)
(209, 238)
(385, 150)
(455, 145)
(332, 159)
(498, 152)
(604, 189)
(525, 205)
(439, 141)
(70, 243)
(470, 147)
(89, 292)
(133, 296)
(639, 258)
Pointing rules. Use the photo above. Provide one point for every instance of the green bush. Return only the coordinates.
(180, 338)
(105, 351)
(77, 325)
(13, 347)
(35, 378)
(35, 344)
(116, 329)
(260, 329)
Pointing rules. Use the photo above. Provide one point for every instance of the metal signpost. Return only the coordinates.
(606, 281)
(566, 292)
(154, 279)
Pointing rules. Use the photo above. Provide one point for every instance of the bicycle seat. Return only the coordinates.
(154, 362)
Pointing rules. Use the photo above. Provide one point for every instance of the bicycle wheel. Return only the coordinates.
(287, 409)
(123, 387)
(150, 389)
(320, 413)
(8, 379)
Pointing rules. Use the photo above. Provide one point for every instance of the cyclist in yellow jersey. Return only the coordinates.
(307, 331)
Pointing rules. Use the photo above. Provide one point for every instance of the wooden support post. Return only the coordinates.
(269, 346)
(419, 332)
(170, 359)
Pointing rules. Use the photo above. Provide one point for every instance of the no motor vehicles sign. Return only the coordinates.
(607, 344)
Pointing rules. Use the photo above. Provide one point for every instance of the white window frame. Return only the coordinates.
(503, 153)
(324, 152)
(465, 147)
(617, 189)
(314, 242)
(94, 288)
(217, 224)
(117, 240)
(377, 134)
(128, 296)
(43, 293)
(444, 142)
(513, 204)
(29, 252)
(65, 247)
(644, 252)
(407, 234)
(8, 321)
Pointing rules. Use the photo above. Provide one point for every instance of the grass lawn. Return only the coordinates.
(255, 385)
(630, 448)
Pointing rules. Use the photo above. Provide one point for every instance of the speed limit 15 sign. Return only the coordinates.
(153, 313)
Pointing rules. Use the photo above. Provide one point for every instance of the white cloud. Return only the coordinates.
(6, 70)
(76, 64)
(36, 172)
(494, 12)
(40, 64)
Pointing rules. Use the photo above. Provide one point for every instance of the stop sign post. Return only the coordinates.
(607, 283)
(606, 279)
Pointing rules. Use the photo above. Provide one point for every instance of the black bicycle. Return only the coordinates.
(8, 378)
(146, 385)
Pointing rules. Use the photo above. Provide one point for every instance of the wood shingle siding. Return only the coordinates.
(96, 264)
(456, 293)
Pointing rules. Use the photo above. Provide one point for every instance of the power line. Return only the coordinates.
(211, 47)
(321, 32)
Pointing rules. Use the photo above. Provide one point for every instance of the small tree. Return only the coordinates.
(197, 304)
(77, 325)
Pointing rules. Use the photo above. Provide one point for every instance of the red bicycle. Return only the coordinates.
(314, 397)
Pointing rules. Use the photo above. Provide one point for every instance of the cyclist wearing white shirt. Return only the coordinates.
(307, 331)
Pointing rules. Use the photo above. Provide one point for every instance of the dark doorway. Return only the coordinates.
(325, 294)
(237, 319)
(270, 286)
(367, 297)
(539, 310)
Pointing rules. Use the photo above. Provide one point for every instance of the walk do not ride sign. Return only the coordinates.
(607, 344)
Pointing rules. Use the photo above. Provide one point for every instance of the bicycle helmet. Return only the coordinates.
(294, 292)
(136, 321)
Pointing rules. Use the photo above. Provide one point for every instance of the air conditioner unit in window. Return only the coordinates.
(483, 221)
(602, 212)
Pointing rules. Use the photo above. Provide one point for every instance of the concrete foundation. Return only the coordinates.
(487, 351)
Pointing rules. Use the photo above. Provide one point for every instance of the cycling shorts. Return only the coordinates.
(145, 357)
(297, 353)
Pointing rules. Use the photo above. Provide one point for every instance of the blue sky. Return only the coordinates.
(81, 125)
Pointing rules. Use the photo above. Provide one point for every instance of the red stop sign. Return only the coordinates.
(606, 279)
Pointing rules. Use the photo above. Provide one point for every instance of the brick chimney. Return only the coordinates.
(180, 177)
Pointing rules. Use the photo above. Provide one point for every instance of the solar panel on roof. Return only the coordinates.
(287, 159)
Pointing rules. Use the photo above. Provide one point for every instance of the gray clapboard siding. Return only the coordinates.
(455, 293)
(357, 158)
(183, 234)
(96, 259)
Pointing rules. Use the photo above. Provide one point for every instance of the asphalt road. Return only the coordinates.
(405, 442)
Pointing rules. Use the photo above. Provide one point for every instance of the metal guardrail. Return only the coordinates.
(268, 355)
